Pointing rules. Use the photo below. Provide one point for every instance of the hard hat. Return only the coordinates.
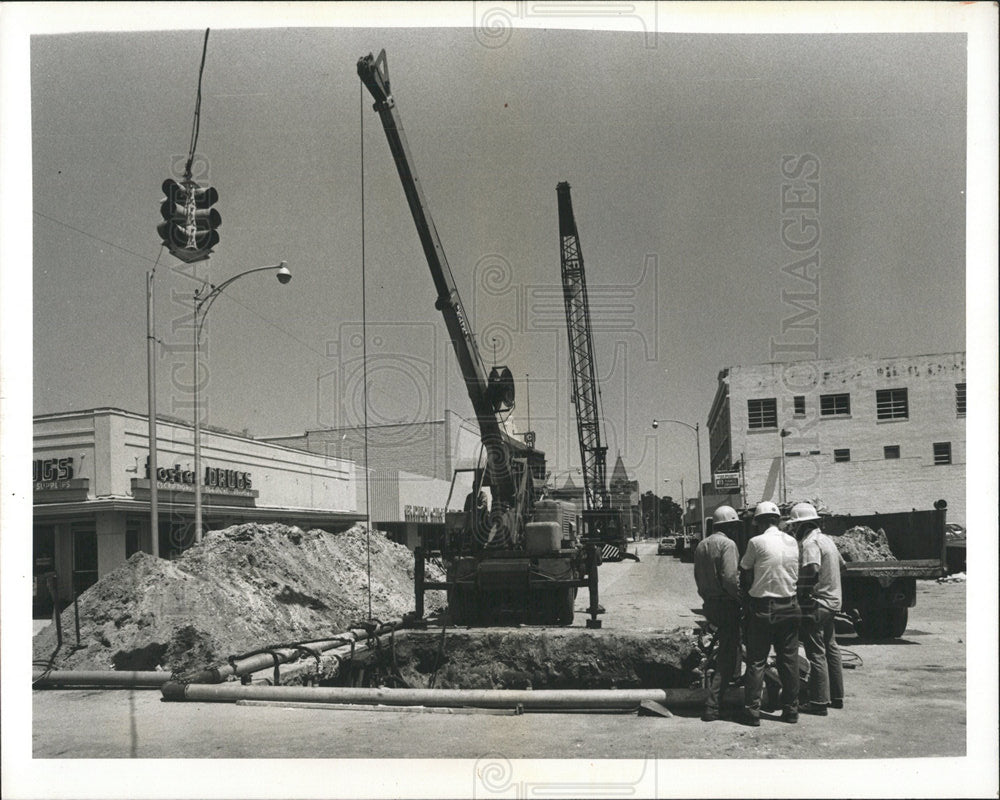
(802, 512)
(724, 514)
(766, 508)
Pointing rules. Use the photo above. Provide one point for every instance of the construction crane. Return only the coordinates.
(518, 559)
(602, 523)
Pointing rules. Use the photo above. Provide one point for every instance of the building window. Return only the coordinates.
(960, 399)
(942, 453)
(843, 454)
(800, 405)
(892, 404)
(762, 413)
(835, 405)
(891, 451)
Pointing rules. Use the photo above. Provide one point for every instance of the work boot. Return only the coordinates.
(817, 709)
(709, 716)
(751, 720)
(836, 704)
(790, 716)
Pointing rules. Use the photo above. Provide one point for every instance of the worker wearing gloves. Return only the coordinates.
(820, 598)
(770, 571)
(717, 576)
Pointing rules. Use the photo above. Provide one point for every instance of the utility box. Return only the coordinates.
(542, 538)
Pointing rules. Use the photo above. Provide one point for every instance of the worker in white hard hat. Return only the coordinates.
(717, 576)
(771, 571)
(820, 598)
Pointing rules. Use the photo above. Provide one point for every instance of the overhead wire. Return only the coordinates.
(196, 124)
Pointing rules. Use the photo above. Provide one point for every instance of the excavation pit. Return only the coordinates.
(526, 658)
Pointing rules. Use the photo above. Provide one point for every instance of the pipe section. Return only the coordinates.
(478, 698)
(110, 679)
(261, 661)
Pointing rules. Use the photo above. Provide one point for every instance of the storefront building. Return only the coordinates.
(91, 488)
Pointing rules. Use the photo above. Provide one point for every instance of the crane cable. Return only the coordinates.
(364, 352)
(196, 125)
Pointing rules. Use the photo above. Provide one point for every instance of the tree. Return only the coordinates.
(670, 514)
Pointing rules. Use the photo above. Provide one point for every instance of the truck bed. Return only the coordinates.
(909, 568)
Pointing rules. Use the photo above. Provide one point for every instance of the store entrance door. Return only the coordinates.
(43, 562)
(84, 558)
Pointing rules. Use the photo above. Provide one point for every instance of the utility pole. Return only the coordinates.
(154, 516)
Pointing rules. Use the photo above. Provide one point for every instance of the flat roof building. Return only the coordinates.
(861, 434)
(91, 487)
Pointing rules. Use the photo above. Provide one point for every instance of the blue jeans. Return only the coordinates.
(826, 675)
(772, 621)
(725, 616)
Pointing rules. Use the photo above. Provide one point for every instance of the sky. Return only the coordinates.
(673, 144)
(675, 158)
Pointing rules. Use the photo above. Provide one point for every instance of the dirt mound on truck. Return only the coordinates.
(861, 543)
(241, 588)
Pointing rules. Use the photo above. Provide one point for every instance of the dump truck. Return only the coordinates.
(879, 594)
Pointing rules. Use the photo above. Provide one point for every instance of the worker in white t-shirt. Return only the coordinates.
(771, 571)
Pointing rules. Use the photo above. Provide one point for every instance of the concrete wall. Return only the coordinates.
(868, 482)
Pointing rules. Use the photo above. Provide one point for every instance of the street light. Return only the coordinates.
(202, 303)
(697, 440)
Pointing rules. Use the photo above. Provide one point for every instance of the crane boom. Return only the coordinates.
(581, 354)
(374, 74)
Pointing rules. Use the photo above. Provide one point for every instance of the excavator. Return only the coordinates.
(602, 523)
(509, 557)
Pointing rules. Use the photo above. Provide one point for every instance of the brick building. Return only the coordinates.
(862, 434)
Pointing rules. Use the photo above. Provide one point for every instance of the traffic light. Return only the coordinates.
(189, 227)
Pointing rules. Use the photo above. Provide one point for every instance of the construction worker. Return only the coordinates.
(770, 571)
(717, 575)
(820, 598)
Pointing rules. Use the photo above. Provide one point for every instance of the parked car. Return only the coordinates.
(667, 546)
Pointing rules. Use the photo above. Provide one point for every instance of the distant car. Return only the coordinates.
(667, 546)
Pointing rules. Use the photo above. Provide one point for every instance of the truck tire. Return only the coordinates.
(897, 619)
(565, 597)
(871, 624)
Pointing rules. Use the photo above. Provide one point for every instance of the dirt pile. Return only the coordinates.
(546, 659)
(241, 588)
(861, 543)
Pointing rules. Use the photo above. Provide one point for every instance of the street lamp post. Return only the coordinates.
(697, 440)
(154, 515)
(784, 484)
(202, 303)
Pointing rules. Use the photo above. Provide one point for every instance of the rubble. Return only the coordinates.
(861, 543)
(243, 587)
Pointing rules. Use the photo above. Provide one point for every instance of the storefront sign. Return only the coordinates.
(54, 476)
(52, 469)
(214, 478)
(727, 480)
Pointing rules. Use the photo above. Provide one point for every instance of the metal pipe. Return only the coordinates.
(478, 698)
(76, 616)
(106, 678)
(282, 655)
